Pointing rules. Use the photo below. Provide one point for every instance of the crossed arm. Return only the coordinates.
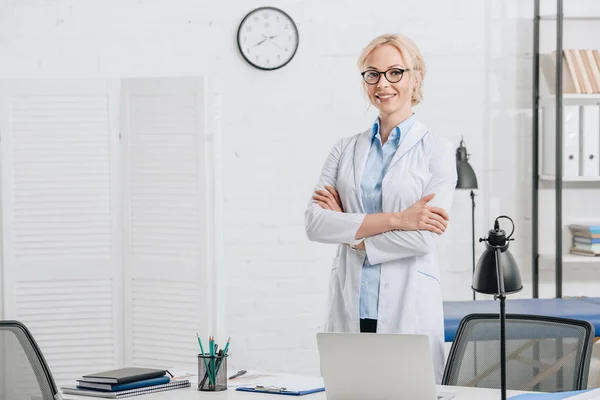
(420, 216)
(384, 236)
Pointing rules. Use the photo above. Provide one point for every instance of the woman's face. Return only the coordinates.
(389, 97)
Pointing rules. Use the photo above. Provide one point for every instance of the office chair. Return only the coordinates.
(544, 354)
(24, 374)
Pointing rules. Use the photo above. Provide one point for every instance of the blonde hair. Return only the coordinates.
(409, 51)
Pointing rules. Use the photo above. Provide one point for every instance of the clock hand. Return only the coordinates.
(261, 42)
(276, 45)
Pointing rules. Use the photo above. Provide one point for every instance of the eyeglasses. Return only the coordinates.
(393, 75)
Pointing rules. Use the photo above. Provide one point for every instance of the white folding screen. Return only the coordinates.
(167, 289)
(60, 220)
(105, 220)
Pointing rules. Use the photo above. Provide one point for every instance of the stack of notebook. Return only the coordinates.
(125, 382)
(586, 239)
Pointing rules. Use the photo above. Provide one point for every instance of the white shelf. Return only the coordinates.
(571, 178)
(593, 98)
(572, 258)
(569, 18)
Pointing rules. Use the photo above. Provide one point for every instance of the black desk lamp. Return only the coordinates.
(467, 180)
(497, 273)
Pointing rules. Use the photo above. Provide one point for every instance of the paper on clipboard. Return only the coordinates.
(291, 383)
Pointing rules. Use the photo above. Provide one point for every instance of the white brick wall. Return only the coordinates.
(277, 128)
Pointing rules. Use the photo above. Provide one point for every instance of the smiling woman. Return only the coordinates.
(383, 197)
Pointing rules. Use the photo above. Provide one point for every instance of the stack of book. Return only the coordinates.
(581, 70)
(586, 240)
(125, 382)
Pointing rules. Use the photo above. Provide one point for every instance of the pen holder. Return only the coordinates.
(212, 372)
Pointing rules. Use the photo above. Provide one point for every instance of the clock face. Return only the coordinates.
(267, 38)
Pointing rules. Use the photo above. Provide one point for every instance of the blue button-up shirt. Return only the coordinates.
(370, 187)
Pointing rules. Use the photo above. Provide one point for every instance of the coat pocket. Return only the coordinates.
(431, 314)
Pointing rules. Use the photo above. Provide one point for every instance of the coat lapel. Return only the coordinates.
(413, 136)
(361, 153)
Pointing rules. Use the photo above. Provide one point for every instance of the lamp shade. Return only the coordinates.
(466, 175)
(485, 278)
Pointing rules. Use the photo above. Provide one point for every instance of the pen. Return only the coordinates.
(239, 373)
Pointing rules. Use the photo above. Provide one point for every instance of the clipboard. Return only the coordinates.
(554, 396)
(279, 390)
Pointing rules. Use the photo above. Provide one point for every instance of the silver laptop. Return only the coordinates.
(359, 366)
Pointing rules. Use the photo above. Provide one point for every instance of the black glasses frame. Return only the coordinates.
(403, 70)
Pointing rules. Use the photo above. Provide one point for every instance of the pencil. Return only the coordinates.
(203, 358)
(212, 359)
(223, 355)
(227, 345)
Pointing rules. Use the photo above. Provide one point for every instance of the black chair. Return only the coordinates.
(544, 354)
(24, 374)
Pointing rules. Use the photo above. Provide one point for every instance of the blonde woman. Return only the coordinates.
(383, 196)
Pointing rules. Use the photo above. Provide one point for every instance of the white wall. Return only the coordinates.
(277, 127)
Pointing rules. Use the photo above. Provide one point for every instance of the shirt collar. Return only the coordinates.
(397, 132)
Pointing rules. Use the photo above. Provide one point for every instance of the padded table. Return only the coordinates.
(582, 308)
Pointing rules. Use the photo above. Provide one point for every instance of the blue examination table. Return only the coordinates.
(582, 308)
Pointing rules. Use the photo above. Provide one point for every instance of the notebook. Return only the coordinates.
(124, 375)
(123, 386)
(127, 393)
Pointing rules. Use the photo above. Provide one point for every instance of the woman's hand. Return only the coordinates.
(421, 217)
(328, 199)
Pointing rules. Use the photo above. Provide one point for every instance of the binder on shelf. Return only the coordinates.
(590, 140)
(571, 141)
(570, 151)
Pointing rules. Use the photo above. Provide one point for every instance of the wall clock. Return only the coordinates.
(267, 38)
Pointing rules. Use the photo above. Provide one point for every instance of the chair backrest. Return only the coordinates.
(24, 373)
(545, 354)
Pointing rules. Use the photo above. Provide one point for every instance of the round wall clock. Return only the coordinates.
(267, 38)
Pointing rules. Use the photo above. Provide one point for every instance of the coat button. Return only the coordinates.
(387, 285)
(362, 284)
(384, 321)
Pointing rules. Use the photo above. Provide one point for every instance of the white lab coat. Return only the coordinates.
(410, 298)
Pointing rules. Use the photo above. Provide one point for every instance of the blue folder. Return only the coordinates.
(547, 396)
(284, 392)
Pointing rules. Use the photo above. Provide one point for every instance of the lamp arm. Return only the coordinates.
(502, 297)
(499, 273)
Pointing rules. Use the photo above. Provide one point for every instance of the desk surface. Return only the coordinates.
(460, 393)
(581, 308)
